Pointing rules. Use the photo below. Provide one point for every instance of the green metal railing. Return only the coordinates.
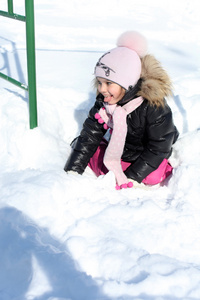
(30, 52)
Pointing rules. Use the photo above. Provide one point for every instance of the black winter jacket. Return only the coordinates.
(151, 134)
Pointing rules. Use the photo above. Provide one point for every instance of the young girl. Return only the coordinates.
(131, 91)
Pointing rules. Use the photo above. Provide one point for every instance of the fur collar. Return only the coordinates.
(156, 84)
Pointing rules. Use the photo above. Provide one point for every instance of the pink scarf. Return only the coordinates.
(114, 117)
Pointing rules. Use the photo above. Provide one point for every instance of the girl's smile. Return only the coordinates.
(111, 91)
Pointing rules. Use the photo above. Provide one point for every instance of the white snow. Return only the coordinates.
(72, 237)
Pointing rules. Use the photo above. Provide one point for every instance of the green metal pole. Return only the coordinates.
(12, 80)
(10, 7)
(30, 44)
(12, 16)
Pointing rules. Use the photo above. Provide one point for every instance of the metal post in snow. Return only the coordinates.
(10, 7)
(31, 69)
(30, 50)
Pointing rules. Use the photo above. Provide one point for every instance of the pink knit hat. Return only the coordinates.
(122, 64)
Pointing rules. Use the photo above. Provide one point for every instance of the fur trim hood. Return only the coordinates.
(156, 84)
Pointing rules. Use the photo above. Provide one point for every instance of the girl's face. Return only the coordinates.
(111, 91)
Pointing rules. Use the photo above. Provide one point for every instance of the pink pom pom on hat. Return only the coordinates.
(122, 64)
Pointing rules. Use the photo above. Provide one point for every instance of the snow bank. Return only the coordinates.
(76, 237)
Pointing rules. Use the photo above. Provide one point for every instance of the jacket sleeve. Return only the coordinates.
(161, 133)
(86, 143)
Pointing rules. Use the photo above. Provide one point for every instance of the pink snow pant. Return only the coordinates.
(157, 176)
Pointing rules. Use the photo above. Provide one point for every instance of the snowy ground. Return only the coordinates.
(75, 237)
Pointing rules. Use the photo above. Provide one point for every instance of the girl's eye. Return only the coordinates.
(99, 82)
(108, 83)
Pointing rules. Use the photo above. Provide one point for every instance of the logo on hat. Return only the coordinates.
(106, 69)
